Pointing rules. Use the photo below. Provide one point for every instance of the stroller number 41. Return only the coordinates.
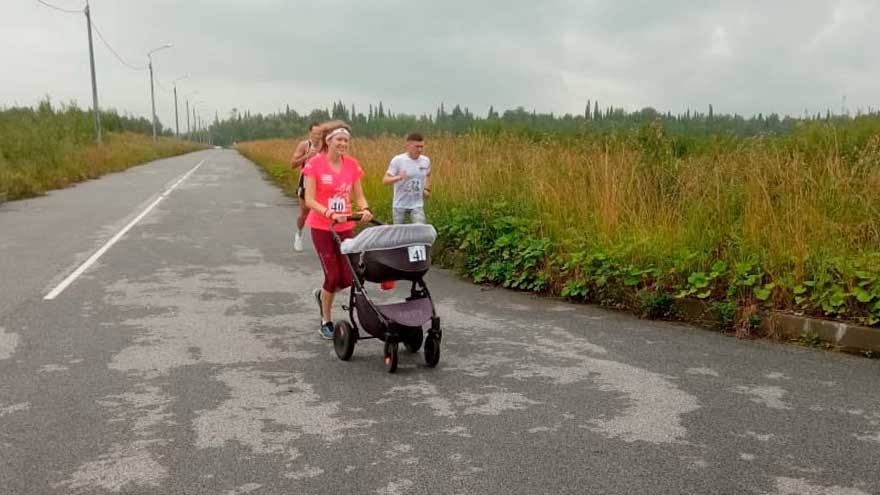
(390, 253)
(417, 254)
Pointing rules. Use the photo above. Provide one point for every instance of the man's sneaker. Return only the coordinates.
(327, 330)
(297, 241)
(317, 294)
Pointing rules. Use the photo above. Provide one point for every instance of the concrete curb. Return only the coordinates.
(777, 325)
(847, 336)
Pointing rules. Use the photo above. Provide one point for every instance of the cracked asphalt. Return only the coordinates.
(187, 360)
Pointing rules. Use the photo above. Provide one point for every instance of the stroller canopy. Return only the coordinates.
(390, 237)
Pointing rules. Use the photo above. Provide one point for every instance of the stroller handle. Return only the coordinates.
(353, 217)
(356, 217)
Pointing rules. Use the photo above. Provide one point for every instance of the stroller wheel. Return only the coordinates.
(391, 356)
(432, 351)
(344, 338)
(413, 342)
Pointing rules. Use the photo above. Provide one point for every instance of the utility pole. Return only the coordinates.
(176, 120)
(94, 80)
(197, 121)
(152, 96)
(188, 131)
(152, 91)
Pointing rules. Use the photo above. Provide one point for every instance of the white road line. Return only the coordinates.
(89, 262)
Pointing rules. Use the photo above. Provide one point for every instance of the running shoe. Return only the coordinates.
(297, 241)
(327, 330)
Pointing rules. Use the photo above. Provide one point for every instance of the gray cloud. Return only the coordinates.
(743, 56)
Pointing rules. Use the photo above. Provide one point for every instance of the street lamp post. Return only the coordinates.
(176, 120)
(207, 124)
(195, 124)
(188, 132)
(197, 120)
(152, 91)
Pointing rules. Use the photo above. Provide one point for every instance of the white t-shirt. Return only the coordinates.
(408, 193)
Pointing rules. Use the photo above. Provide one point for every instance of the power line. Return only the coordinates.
(60, 9)
(101, 36)
(115, 54)
(87, 14)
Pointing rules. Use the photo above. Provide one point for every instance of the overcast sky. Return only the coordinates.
(549, 55)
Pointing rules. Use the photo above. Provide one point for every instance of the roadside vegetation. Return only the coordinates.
(50, 147)
(638, 218)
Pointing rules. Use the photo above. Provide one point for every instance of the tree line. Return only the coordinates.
(379, 119)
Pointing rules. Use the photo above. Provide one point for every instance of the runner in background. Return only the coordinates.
(410, 173)
(304, 152)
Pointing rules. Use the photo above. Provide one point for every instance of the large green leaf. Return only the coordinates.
(862, 295)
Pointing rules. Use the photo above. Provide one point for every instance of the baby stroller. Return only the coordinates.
(385, 253)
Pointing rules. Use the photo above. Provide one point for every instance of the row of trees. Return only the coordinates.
(378, 119)
(68, 121)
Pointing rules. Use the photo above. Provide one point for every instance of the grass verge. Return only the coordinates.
(45, 148)
(633, 220)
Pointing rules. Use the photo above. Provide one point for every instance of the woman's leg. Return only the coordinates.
(337, 273)
(344, 277)
(303, 214)
(326, 248)
(327, 304)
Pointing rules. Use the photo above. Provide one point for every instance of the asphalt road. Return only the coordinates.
(187, 360)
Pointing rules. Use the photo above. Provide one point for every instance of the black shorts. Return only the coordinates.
(301, 187)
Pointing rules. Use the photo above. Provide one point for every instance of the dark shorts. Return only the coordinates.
(337, 273)
(301, 187)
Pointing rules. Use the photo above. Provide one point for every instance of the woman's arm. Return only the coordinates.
(311, 202)
(300, 155)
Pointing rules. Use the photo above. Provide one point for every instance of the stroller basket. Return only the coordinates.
(406, 316)
(391, 252)
(379, 254)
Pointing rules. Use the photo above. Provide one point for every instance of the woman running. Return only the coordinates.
(330, 179)
(304, 151)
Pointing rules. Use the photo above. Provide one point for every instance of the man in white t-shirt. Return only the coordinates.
(410, 173)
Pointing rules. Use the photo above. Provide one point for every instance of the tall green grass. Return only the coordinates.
(47, 148)
(789, 222)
